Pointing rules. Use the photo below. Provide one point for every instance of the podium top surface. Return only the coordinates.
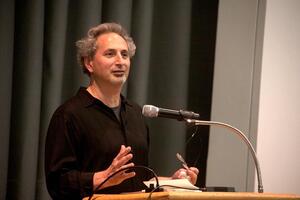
(174, 195)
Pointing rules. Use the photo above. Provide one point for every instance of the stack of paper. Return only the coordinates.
(179, 184)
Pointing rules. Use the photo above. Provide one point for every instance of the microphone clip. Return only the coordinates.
(151, 188)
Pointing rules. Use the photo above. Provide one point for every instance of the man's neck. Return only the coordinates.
(110, 96)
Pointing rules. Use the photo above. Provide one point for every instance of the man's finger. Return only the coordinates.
(127, 165)
(123, 151)
(194, 169)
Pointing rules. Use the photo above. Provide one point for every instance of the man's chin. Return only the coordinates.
(120, 80)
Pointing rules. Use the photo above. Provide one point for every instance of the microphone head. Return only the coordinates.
(150, 111)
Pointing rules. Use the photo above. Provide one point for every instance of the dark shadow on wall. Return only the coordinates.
(202, 56)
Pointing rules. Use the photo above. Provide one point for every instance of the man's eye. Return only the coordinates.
(109, 54)
(125, 54)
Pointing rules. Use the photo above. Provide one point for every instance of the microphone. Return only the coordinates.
(193, 118)
(153, 111)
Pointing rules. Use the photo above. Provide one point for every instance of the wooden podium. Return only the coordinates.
(176, 195)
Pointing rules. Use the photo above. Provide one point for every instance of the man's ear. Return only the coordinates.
(88, 63)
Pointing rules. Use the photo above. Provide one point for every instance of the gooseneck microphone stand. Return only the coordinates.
(245, 139)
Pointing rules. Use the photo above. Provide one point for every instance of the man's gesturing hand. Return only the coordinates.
(118, 163)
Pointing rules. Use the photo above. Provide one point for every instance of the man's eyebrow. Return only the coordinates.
(112, 49)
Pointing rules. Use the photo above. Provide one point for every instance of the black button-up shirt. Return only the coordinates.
(83, 137)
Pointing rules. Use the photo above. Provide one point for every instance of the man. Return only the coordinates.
(98, 131)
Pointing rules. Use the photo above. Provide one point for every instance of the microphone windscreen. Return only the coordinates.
(150, 111)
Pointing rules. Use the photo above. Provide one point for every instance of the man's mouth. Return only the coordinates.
(118, 73)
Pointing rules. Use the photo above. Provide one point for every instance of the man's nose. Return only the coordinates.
(120, 61)
(119, 58)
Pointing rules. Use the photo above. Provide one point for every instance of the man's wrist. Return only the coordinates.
(98, 178)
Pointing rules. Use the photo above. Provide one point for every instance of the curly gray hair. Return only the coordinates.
(86, 47)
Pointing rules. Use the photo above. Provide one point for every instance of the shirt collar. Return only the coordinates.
(89, 100)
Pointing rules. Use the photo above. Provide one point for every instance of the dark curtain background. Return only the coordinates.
(173, 68)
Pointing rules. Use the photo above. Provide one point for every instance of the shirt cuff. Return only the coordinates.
(86, 184)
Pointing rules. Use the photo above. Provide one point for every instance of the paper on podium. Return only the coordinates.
(184, 183)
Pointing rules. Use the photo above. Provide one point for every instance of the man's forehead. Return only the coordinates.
(111, 39)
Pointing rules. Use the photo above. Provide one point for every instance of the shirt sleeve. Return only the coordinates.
(62, 169)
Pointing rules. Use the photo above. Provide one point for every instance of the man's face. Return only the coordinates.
(111, 61)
